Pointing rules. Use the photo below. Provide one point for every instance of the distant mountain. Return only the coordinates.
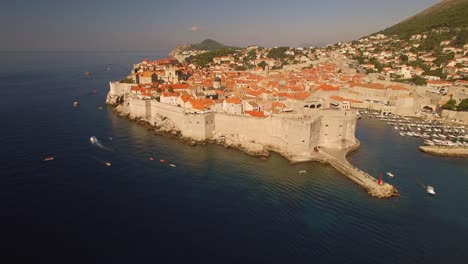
(209, 44)
(448, 13)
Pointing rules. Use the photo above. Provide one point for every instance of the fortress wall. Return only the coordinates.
(455, 115)
(175, 114)
(289, 135)
(315, 132)
(298, 136)
(337, 129)
(120, 89)
(198, 127)
(138, 108)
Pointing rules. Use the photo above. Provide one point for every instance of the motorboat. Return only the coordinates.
(93, 140)
(302, 171)
(430, 190)
(108, 164)
(390, 174)
(172, 165)
(50, 158)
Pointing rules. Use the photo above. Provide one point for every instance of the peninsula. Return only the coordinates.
(294, 111)
(304, 102)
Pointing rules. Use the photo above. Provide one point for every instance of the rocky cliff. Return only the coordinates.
(177, 50)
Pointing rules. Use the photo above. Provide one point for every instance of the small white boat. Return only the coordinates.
(390, 174)
(93, 139)
(302, 171)
(430, 190)
(172, 165)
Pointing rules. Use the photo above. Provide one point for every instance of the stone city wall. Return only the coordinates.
(463, 116)
(328, 128)
(119, 89)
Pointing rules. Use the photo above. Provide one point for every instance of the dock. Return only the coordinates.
(337, 159)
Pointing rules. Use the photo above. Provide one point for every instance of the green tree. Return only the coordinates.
(418, 80)
(204, 58)
(170, 89)
(403, 58)
(252, 55)
(438, 72)
(262, 64)
(278, 53)
(240, 68)
(463, 106)
(450, 105)
(461, 39)
(127, 80)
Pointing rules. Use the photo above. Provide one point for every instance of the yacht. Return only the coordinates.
(390, 174)
(93, 139)
(430, 190)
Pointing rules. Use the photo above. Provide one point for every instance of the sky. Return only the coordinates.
(152, 25)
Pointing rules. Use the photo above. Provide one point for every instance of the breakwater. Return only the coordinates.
(447, 151)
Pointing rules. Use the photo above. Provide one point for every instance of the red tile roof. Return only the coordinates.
(233, 100)
(339, 98)
(326, 87)
(255, 113)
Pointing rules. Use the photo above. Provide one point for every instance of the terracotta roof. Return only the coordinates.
(326, 87)
(278, 104)
(233, 100)
(147, 73)
(255, 113)
(201, 104)
(339, 98)
(167, 94)
(186, 97)
(301, 96)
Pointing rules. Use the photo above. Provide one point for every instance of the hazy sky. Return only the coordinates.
(162, 24)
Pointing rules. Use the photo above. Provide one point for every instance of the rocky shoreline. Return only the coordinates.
(163, 126)
(445, 151)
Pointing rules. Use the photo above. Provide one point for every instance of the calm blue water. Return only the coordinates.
(217, 205)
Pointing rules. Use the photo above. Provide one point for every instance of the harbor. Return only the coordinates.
(434, 132)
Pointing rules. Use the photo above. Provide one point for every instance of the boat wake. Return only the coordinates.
(98, 143)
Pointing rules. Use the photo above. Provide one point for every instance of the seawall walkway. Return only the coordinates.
(337, 159)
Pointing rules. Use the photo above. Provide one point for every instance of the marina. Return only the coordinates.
(434, 132)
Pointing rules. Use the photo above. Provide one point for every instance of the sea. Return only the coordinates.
(216, 205)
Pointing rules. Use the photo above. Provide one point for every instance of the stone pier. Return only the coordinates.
(337, 159)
